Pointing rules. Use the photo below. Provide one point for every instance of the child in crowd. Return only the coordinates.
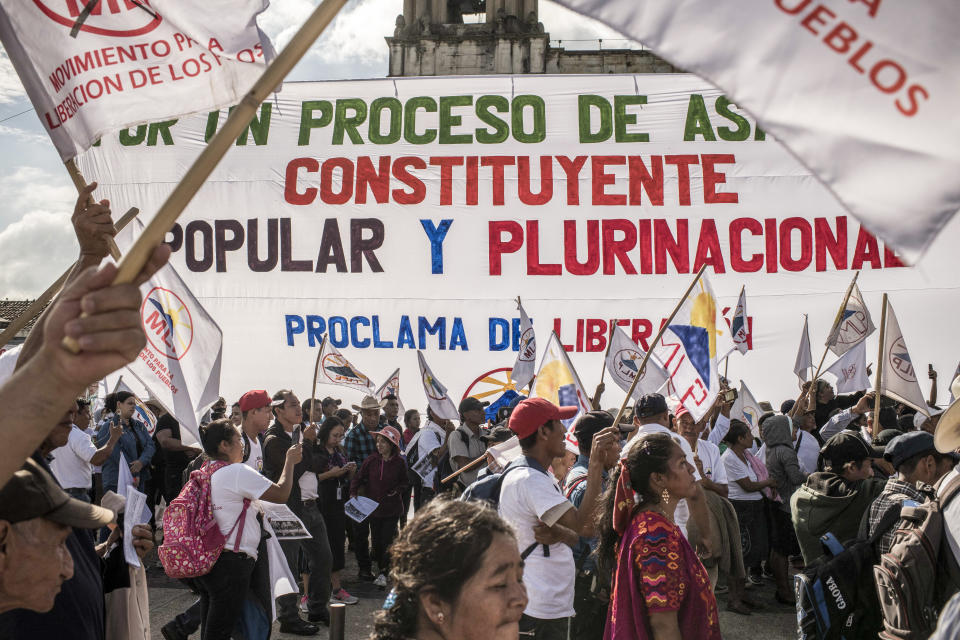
(383, 479)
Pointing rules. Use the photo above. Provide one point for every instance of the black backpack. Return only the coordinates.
(836, 599)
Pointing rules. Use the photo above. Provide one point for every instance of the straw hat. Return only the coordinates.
(369, 402)
(947, 436)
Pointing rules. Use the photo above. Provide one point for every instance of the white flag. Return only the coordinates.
(143, 414)
(525, 366)
(804, 360)
(899, 379)
(436, 393)
(850, 370)
(688, 349)
(558, 382)
(739, 327)
(391, 386)
(130, 62)
(337, 370)
(863, 93)
(746, 408)
(180, 366)
(623, 360)
(853, 324)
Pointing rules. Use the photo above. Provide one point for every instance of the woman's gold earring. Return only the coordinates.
(665, 496)
(440, 617)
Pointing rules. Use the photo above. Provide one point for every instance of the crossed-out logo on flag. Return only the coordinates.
(117, 18)
(337, 370)
(899, 361)
(167, 322)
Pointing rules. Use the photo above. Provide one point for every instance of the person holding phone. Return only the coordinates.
(334, 487)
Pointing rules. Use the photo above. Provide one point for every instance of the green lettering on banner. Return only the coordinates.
(759, 134)
(162, 130)
(539, 133)
(258, 127)
(308, 122)
(128, 139)
(621, 119)
(698, 122)
(742, 132)
(448, 120)
(501, 130)
(377, 108)
(348, 124)
(410, 120)
(586, 104)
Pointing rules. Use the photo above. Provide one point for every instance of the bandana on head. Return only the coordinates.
(624, 501)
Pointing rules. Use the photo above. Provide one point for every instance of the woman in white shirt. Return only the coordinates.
(745, 487)
(224, 589)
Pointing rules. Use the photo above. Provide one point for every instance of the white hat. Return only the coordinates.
(947, 436)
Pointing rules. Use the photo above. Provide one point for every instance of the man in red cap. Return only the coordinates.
(255, 418)
(532, 502)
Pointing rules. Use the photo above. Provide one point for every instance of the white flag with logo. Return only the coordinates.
(688, 349)
(525, 366)
(863, 93)
(739, 327)
(558, 382)
(746, 408)
(850, 369)
(391, 386)
(436, 393)
(899, 379)
(336, 369)
(804, 361)
(623, 361)
(853, 324)
(180, 366)
(141, 412)
(91, 72)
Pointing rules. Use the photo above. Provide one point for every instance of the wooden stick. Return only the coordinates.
(37, 305)
(654, 342)
(224, 139)
(80, 183)
(880, 359)
(606, 354)
(470, 466)
(316, 371)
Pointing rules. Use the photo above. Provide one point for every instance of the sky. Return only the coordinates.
(36, 239)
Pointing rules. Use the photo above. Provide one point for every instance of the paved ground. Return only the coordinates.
(168, 598)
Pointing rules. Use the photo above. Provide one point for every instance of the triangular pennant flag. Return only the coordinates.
(688, 349)
(142, 413)
(623, 360)
(804, 361)
(525, 366)
(850, 370)
(739, 327)
(180, 366)
(391, 386)
(746, 408)
(853, 324)
(898, 378)
(337, 370)
(558, 382)
(437, 398)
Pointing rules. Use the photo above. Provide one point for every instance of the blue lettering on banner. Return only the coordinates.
(504, 333)
(365, 332)
(436, 234)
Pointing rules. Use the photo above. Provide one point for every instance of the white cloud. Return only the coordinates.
(10, 87)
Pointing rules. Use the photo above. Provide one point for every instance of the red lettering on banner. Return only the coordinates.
(601, 179)
(417, 190)
(498, 246)
(290, 192)
(546, 181)
(826, 242)
(712, 177)
(534, 268)
(446, 165)
(377, 181)
(787, 227)
(570, 260)
(683, 163)
(677, 247)
(596, 335)
(614, 249)
(571, 170)
(737, 261)
(643, 180)
(866, 250)
(708, 248)
(497, 163)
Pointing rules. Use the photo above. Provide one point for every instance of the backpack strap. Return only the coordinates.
(796, 447)
(239, 523)
(949, 489)
(890, 518)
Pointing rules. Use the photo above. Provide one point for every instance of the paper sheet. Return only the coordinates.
(359, 509)
(285, 523)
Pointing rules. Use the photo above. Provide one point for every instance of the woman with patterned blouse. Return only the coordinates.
(660, 588)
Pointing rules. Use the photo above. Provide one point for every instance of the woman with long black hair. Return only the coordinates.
(135, 442)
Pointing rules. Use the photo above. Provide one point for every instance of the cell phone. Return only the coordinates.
(296, 434)
(729, 395)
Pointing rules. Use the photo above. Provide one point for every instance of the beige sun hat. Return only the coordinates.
(947, 436)
(368, 402)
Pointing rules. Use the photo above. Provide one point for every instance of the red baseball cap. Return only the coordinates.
(531, 413)
(681, 411)
(255, 399)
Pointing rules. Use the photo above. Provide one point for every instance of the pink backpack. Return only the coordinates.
(192, 541)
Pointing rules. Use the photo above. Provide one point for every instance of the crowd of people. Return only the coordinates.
(592, 528)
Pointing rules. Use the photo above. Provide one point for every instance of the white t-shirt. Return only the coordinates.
(525, 497)
(713, 467)
(71, 462)
(308, 486)
(951, 517)
(808, 452)
(255, 459)
(737, 469)
(682, 512)
(228, 487)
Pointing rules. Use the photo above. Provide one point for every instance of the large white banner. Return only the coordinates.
(406, 214)
(90, 71)
(864, 92)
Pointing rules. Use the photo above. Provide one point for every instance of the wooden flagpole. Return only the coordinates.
(606, 354)
(37, 305)
(654, 342)
(316, 372)
(133, 262)
(879, 382)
